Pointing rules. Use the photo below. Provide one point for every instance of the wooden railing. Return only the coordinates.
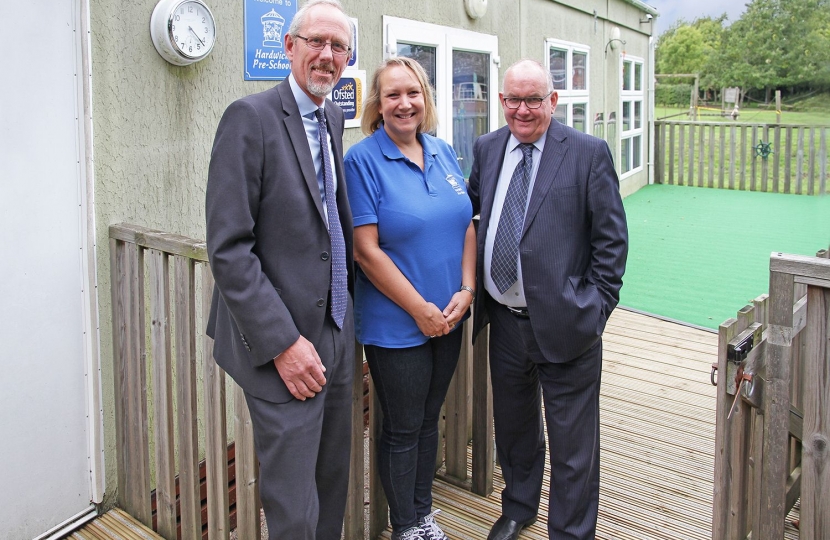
(773, 432)
(730, 155)
(155, 457)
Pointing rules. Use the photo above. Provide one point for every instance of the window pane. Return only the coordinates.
(599, 125)
(626, 75)
(470, 104)
(638, 106)
(638, 77)
(612, 131)
(625, 158)
(579, 117)
(580, 60)
(561, 114)
(559, 68)
(626, 112)
(424, 55)
(636, 153)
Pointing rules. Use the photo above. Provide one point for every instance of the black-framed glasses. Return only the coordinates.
(530, 102)
(318, 44)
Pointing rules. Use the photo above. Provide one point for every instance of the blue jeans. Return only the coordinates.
(411, 385)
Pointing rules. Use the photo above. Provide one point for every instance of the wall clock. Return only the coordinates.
(183, 31)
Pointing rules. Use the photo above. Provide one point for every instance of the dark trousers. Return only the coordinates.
(304, 449)
(521, 378)
(411, 385)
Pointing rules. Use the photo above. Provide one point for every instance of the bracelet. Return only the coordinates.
(469, 290)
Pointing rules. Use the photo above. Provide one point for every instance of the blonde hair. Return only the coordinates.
(370, 122)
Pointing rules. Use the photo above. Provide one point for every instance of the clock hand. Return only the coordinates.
(195, 34)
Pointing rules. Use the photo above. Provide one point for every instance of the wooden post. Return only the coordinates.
(815, 494)
(378, 515)
(247, 470)
(160, 349)
(216, 426)
(770, 494)
(458, 397)
(353, 525)
(483, 451)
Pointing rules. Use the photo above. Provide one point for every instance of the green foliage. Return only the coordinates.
(673, 95)
(775, 44)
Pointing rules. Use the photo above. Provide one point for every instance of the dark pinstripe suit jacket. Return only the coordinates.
(575, 239)
(267, 238)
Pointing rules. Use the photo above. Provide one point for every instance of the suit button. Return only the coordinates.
(324, 255)
(321, 302)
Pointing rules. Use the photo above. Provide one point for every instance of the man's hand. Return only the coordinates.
(301, 369)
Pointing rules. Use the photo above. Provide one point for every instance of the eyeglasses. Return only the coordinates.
(530, 102)
(318, 44)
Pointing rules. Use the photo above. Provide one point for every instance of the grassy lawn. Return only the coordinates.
(698, 255)
(751, 115)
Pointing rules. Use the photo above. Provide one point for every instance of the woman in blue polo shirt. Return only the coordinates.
(414, 245)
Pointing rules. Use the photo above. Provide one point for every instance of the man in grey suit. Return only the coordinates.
(552, 246)
(279, 238)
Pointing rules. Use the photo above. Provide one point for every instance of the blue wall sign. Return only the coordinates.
(266, 23)
(348, 95)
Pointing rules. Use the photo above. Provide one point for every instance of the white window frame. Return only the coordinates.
(445, 39)
(631, 97)
(568, 97)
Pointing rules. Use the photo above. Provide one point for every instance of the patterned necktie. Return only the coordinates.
(505, 259)
(339, 287)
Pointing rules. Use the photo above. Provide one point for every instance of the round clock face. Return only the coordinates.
(183, 31)
(192, 30)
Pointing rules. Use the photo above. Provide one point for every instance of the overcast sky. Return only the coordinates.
(671, 10)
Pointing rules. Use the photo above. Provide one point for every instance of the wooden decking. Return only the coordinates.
(114, 525)
(657, 437)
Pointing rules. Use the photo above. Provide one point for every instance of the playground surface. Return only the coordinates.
(697, 255)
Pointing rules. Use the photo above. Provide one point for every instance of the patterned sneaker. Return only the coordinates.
(431, 529)
(412, 533)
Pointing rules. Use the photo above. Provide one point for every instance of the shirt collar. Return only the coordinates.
(513, 142)
(304, 102)
(391, 150)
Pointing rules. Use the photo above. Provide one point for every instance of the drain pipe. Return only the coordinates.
(652, 45)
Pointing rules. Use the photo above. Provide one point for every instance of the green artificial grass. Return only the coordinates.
(698, 255)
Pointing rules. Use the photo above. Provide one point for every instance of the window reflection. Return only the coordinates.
(579, 117)
(599, 125)
(579, 59)
(559, 68)
(470, 103)
(424, 55)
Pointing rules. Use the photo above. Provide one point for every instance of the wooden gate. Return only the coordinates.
(773, 429)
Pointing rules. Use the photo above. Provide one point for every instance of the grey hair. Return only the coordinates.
(534, 63)
(299, 18)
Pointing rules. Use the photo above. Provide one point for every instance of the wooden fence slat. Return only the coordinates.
(660, 154)
(692, 130)
(788, 169)
(823, 158)
(742, 164)
(700, 154)
(378, 515)
(353, 524)
(671, 152)
(159, 267)
(733, 138)
(815, 494)
(458, 397)
(722, 155)
(681, 155)
(776, 164)
(799, 162)
(185, 331)
(721, 515)
(711, 179)
(483, 451)
(216, 426)
(811, 174)
(765, 162)
(132, 445)
(753, 163)
(247, 470)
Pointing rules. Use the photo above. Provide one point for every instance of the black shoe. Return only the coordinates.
(506, 529)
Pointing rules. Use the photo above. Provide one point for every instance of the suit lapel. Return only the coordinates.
(296, 131)
(552, 157)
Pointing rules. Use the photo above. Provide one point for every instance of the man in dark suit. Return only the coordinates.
(552, 246)
(279, 238)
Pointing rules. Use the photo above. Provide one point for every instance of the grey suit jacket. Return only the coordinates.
(267, 240)
(574, 243)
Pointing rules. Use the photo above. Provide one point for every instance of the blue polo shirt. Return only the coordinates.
(422, 218)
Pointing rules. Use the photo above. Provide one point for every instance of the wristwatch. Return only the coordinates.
(469, 290)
